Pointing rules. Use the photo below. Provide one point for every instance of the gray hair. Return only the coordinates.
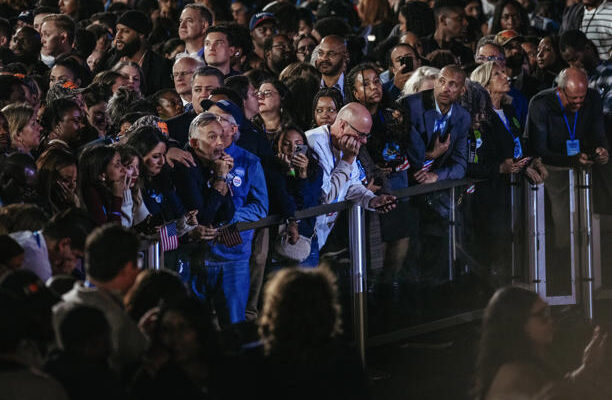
(120, 102)
(202, 119)
(421, 74)
(184, 56)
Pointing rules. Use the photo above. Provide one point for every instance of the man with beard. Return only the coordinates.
(219, 48)
(131, 45)
(331, 62)
(57, 37)
(262, 26)
(278, 53)
(194, 21)
(519, 78)
(443, 125)
(451, 26)
(26, 45)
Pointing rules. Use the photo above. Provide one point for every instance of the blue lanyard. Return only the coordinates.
(572, 132)
(506, 124)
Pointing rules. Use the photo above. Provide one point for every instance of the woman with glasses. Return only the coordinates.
(390, 150)
(514, 360)
(273, 113)
(304, 45)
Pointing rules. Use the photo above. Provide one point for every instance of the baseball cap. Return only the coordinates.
(504, 37)
(260, 18)
(226, 106)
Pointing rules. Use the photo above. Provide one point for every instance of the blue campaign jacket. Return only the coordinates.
(422, 109)
(250, 198)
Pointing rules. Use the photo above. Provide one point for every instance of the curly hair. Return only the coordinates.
(301, 312)
(119, 103)
(503, 337)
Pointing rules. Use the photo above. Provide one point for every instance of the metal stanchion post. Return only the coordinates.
(514, 221)
(155, 256)
(536, 238)
(586, 241)
(358, 275)
(452, 250)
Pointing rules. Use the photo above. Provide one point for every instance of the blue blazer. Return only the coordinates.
(423, 114)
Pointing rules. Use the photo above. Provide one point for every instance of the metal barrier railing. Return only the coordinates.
(581, 216)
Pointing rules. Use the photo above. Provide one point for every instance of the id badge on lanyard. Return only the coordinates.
(572, 145)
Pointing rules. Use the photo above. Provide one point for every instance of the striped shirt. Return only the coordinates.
(597, 26)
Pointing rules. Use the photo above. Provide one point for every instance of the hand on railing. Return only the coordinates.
(383, 203)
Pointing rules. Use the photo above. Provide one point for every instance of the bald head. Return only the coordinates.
(573, 84)
(354, 120)
(334, 40)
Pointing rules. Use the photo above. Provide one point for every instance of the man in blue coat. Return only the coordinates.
(443, 125)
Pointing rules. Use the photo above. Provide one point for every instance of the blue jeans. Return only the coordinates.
(232, 277)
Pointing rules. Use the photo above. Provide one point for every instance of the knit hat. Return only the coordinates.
(136, 20)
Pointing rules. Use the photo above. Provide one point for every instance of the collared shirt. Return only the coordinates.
(196, 54)
(340, 179)
(36, 255)
(338, 85)
(440, 123)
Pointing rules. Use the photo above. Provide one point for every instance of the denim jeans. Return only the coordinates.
(230, 276)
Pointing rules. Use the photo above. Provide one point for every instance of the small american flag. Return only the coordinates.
(168, 237)
(229, 236)
(427, 165)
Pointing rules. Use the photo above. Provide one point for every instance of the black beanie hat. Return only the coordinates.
(136, 20)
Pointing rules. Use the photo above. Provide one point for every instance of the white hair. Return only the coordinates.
(421, 74)
(564, 77)
(184, 56)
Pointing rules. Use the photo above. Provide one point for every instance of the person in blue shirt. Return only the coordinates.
(247, 183)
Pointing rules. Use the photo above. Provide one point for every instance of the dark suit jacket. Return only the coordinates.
(192, 187)
(422, 109)
(547, 132)
(178, 127)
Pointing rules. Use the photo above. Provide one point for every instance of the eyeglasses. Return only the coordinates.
(182, 74)
(304, 49)
(544, 314)
(265, 93)
(490, 58)
(361, 134)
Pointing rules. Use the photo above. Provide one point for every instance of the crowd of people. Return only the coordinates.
(126, 120)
